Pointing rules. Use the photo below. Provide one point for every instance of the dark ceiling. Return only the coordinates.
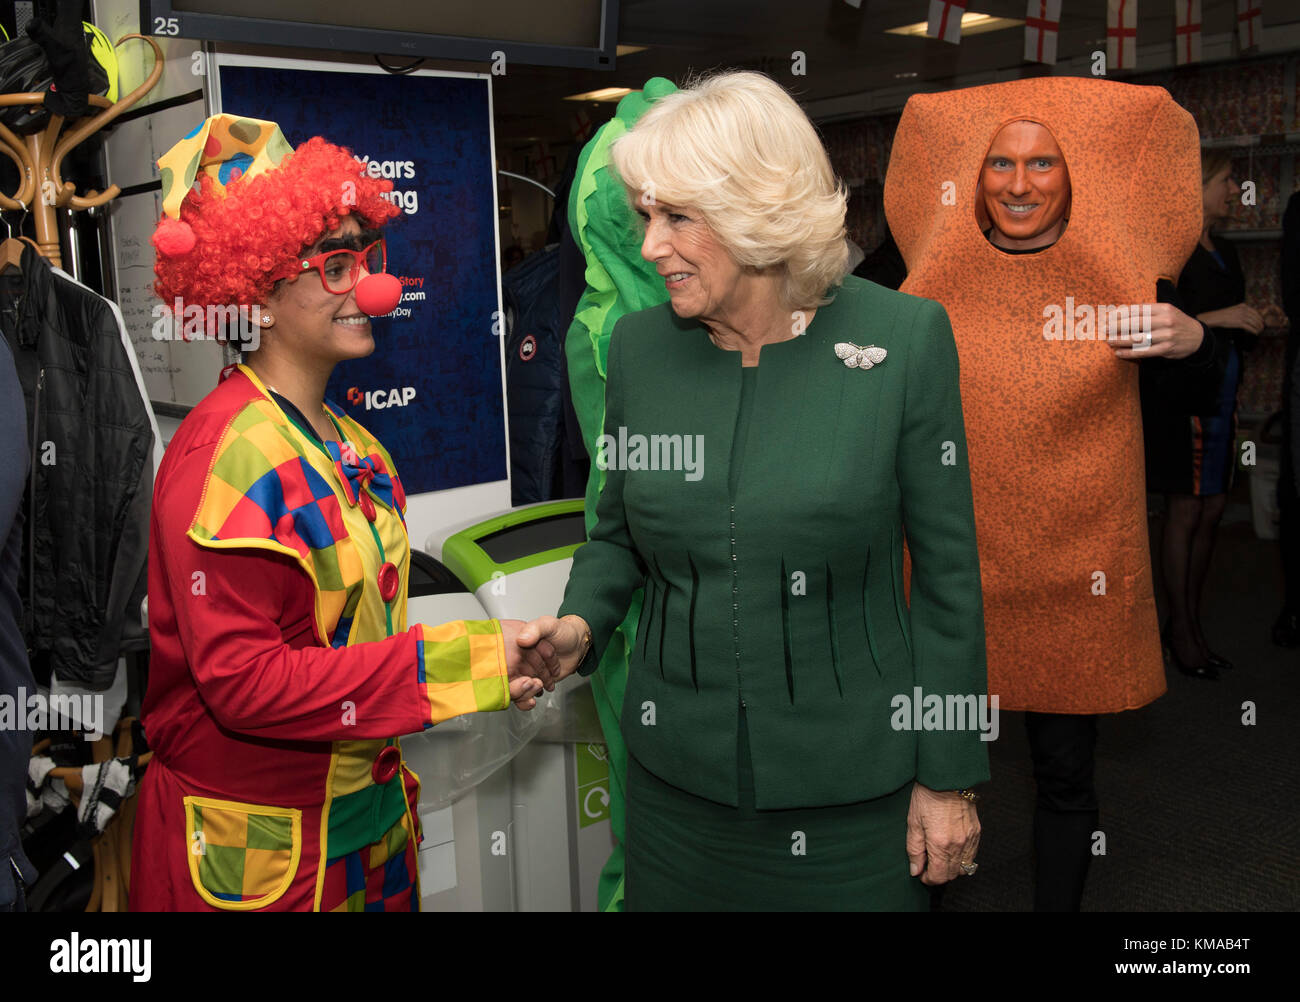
(846, 52)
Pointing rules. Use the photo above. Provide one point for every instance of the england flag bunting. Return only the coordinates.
(580, 126)
(1187, 31)
(1250, 23)
(945, 20)
(1121, 34)
(1042, 24)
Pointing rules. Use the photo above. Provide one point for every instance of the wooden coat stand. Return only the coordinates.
(42, 189)
(40, 155)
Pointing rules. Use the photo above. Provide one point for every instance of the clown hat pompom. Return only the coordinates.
(173, 237)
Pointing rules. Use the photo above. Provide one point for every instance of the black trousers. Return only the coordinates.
(1063, 748)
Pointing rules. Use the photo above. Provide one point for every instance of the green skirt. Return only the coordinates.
(685, 853)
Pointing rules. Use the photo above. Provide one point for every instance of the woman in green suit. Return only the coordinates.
(799, 736)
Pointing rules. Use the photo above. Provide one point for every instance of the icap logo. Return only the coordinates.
(377, 400)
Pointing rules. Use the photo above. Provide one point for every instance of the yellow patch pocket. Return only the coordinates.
(242, 856)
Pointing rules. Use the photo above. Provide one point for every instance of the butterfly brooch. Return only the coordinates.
(860, 358)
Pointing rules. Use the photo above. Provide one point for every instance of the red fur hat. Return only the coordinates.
(229, 240)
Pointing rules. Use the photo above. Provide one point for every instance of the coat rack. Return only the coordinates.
(40, 155)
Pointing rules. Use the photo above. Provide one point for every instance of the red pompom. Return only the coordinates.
(173, 238)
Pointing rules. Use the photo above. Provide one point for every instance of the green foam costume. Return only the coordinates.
(619, 281)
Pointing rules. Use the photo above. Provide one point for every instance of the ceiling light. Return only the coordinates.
(971, 24)
(604, 94)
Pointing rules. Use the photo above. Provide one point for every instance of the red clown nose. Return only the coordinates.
(378, 294)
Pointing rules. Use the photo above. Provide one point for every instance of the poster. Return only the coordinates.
(432, 391)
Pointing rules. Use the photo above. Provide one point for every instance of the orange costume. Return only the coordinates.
(1052, 417)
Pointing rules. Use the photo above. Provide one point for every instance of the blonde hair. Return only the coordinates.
(738, 149)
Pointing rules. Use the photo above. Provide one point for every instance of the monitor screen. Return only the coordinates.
(578, 33)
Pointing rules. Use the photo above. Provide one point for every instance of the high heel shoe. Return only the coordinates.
(1207, 671)
(1219, 661)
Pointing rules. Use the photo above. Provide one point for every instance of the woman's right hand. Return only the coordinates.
(529, 667)
(569, 638)
(1239, 317)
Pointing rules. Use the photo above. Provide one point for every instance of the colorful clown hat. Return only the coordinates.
(225, 147)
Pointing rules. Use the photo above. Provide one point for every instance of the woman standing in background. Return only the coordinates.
(1191, 458)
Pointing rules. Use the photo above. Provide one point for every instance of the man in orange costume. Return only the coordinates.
(1028, 209)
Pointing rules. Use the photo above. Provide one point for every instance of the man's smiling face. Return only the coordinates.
(1025, 186)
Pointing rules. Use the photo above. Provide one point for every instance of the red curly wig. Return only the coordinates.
(240, 239)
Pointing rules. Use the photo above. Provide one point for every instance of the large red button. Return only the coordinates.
(389, 580)
(386, 765)
(367, 506)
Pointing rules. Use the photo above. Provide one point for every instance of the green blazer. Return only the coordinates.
(771, 552)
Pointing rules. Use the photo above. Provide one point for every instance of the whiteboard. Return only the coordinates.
(173, 373)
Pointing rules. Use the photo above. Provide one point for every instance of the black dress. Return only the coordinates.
(1190, 434)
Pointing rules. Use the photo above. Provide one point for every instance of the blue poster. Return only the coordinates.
(431, 392)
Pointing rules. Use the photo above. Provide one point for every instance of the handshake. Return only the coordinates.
(542, 653)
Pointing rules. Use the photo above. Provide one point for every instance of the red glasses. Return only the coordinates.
(340, 270)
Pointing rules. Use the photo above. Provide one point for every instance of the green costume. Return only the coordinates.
(619, 281)
(776, 625)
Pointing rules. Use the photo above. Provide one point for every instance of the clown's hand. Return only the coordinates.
(524, 692)
(529, 668)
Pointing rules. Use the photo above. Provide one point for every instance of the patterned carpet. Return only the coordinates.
(1200, 812)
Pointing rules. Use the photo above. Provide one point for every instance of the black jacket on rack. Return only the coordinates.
(88, 498)
(16, 681)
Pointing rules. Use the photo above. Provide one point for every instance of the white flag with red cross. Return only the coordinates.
(1042, 25)
(1250, 23)
(541, 163)
(580, 125)
(1121, 34)
(1187, 31)
(945, 20)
